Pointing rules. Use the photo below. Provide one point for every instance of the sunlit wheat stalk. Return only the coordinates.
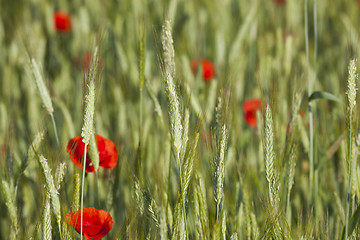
(76, 192)
(59, 175)
(51, 189)
(223, 225)
(351, 93)
(176, 126)
(269, 154)
(163, 224)
(174, 104)
(220, 172)
(47, 228)
(88, 129)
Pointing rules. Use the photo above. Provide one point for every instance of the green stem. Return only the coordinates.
(169, 179)
(311, 131)
(82, 193)
(59, 224)
(182, 192)
(352, 166)
(315, 163)
(97, 202)
(54, 125)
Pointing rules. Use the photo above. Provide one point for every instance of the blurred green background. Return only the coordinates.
(258, 49)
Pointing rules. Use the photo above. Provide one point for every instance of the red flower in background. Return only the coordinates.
(279, 2)
(86, 60)
(62, 21)
(96, 222)
(250, 107)
(108, 153)
(208, 69)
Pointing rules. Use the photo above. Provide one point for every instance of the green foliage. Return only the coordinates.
(190, 167)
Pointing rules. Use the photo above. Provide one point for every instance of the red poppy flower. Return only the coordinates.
(108, 153)
(279, 2)
(208, 69)
(250, 107)
(96, 222)
(62, 21)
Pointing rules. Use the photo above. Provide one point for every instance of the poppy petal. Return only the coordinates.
(75, 148)
(250, 118)
(108, 153)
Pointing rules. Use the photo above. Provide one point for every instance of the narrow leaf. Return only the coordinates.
(324, 95)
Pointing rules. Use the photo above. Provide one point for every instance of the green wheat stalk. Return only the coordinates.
(12, 208)
(292, 166)
(200, 206)
(220, 172)
(51, 189)
(162, 224)
(174, 104)
(223, 225)
(351, 93)
(269, 155)
(234, 236)
(59, 175)
(88, 130)
(76, 192)
(30, 154)
(44, 94)
(179, 136)
(157, 106)
(46, 225)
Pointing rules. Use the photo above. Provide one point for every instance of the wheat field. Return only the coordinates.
(229, 119)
